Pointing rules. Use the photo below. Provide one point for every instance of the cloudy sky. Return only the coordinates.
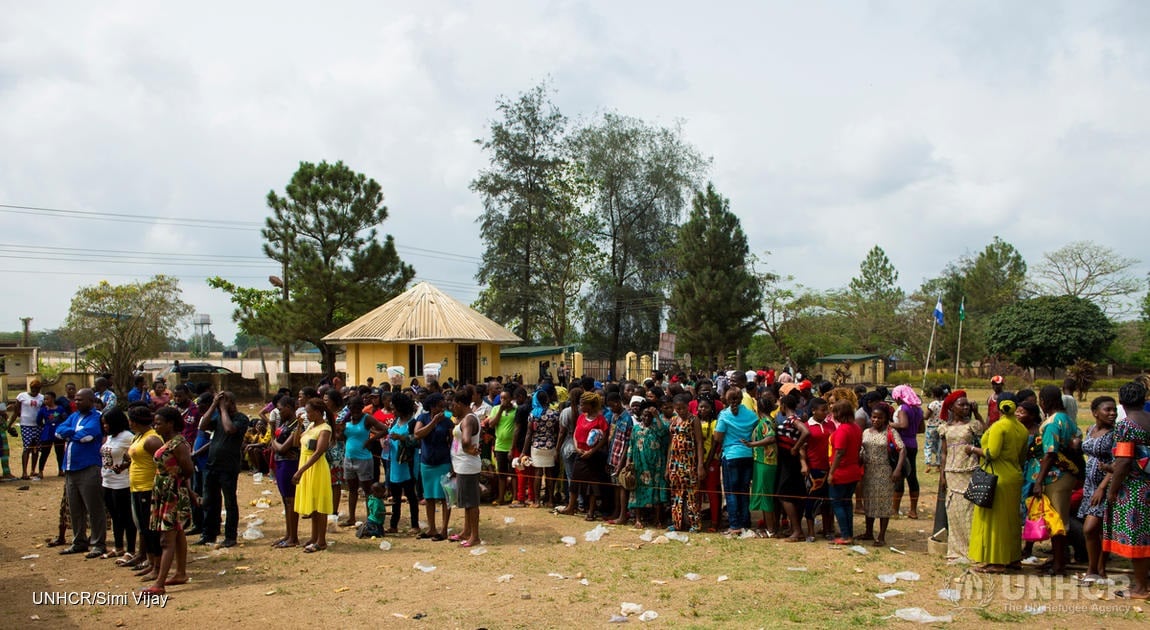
(154, 131)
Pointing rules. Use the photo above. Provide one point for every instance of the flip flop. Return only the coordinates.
(467, 543)
(277, 543)
(1125, 594)
(455, 538)
(55, 543)
(283, 544)
(312, 548)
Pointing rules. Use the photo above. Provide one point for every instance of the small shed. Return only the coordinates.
(535, 361)
(852, 369)
(422, 326)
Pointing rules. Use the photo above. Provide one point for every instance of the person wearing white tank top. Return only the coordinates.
(467, 465)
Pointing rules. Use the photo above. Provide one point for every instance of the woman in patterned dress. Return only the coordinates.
(1099, 445)
(685, 465)
(542, 442)
(960, 430)
(878, 475)
(1127, 531)
(171, 499)
(649, 442)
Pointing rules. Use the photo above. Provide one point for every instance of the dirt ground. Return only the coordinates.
(742, 583)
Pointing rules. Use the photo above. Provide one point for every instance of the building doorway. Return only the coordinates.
(468, 364)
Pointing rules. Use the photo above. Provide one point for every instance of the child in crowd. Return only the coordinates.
(376, 512)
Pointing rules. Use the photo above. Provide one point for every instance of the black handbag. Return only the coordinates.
(981, 489)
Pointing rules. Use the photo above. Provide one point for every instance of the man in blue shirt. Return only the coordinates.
(82, 435)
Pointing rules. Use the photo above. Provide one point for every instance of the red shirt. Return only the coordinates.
(818, 449)
(848, 439)
(693, 406)
(583, 428)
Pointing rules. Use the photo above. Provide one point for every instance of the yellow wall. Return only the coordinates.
(373, 359)
(529, 366)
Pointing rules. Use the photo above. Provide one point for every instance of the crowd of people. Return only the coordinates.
(768, 455)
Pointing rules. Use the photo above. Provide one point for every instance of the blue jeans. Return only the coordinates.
(737, 487)
(841, 495)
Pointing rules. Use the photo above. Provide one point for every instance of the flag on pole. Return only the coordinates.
(938, 311)
(962, 310)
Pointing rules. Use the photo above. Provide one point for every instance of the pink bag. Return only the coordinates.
(1035, 528)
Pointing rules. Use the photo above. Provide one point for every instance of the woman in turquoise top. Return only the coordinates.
(1057, 473)
(401, 467)
(358, 463)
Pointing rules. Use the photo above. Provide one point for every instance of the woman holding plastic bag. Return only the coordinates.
(994, 540)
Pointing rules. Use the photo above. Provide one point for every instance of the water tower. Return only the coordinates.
(202, 322)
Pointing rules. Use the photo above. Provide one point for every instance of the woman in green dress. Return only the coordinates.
(650, 439)
(765, 451)
(994, 531)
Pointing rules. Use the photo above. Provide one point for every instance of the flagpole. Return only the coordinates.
(929, 351)
(958, 351)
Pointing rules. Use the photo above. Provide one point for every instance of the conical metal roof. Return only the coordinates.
(423, 314)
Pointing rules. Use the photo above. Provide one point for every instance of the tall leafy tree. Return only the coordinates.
(534, 237)
(640, 176)
(118, 326)
(325, 227)
(254, 315)
(1050, 332)
(1088, 270)
(715, 297)
(870, 303)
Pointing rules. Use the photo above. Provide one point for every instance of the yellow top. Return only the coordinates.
(142, 472)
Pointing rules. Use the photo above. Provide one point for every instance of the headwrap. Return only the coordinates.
(951, 398)
(905, 395)
(537, 408)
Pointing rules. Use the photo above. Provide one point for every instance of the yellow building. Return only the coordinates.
(852, 369)
(531, 362)
(423, 327)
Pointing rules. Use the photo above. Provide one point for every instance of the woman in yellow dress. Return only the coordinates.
(313, 496)
(995, 537)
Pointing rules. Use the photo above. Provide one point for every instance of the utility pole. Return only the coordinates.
(27, 338)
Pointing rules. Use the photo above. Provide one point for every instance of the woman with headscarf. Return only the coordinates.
(650, 439)
(908, 423)
(1127, 530)
(540, 446)
(958, 465)
(994, 531)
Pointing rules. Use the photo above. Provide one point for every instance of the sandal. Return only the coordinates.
(467, 543)
(989, 569)
(1126, 594)
(276, 544)
(128, 560)
(455, 538)
(312, 548)
(283, 544)
(423, 535)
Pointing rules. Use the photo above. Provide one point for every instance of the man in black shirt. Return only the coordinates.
(224, 456)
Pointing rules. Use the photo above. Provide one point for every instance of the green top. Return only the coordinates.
(768, 454)
(504, 429)
(376, 511)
